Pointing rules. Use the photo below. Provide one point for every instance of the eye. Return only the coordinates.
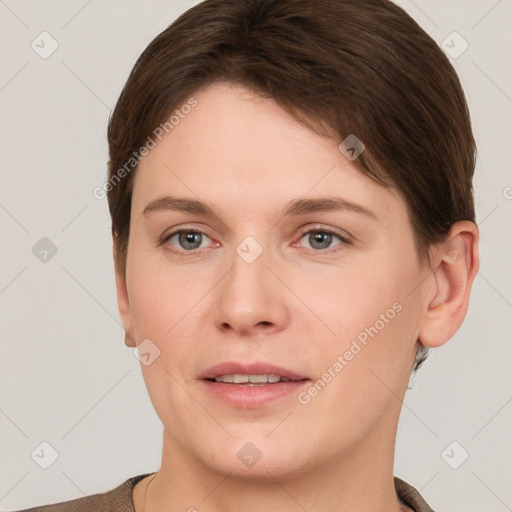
(322, 239)
(188, 239)
(191, 240)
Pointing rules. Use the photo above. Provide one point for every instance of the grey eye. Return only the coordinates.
(319, 240)
(188, 240)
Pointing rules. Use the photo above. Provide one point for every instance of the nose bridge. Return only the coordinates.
(248, 298)
(249, 268)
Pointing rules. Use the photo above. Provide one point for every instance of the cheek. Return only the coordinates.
(372, 320)
(160, 297)
(361, 369)
(349, 299)
(162, 311)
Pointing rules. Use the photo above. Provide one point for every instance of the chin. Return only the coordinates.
(257, 457)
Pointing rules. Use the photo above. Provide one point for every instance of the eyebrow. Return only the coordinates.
(295, 207)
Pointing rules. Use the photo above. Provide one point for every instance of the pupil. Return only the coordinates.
(190, 239)
(321, 238)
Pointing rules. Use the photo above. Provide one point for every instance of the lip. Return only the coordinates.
(251, 397)
(257, 368)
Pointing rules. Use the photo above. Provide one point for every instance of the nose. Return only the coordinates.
(250, 299)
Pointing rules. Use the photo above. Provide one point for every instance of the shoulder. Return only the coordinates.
(411, 497)
(115, 500)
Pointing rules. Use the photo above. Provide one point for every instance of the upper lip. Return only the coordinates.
(256, 368)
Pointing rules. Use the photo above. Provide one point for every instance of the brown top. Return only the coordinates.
(120, 499)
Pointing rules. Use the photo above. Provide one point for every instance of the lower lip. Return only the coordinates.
(251, 397)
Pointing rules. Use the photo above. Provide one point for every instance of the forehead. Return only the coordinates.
(237, 149)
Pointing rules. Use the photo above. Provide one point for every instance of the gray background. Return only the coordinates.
(66, 376)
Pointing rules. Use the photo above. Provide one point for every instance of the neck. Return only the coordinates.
(358, 479)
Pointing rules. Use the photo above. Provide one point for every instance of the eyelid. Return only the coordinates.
(174, 231)
(346, 237)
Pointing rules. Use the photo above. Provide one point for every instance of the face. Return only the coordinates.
(257, 248)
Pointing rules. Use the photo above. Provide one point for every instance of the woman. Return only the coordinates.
(290, 185)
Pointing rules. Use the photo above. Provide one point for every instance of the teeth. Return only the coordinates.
(260, 379)
(251, 379)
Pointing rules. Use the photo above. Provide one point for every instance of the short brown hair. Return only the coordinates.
(341, 67)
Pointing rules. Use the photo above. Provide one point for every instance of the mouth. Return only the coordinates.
(253, 385)
(251, 380)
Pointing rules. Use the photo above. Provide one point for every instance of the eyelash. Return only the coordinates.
(318, 229)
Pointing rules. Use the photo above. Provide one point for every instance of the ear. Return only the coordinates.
(123, 302)
(455, 269)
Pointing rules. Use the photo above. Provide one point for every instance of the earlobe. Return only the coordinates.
(122, 298)
(129, 340)
(453, 277)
